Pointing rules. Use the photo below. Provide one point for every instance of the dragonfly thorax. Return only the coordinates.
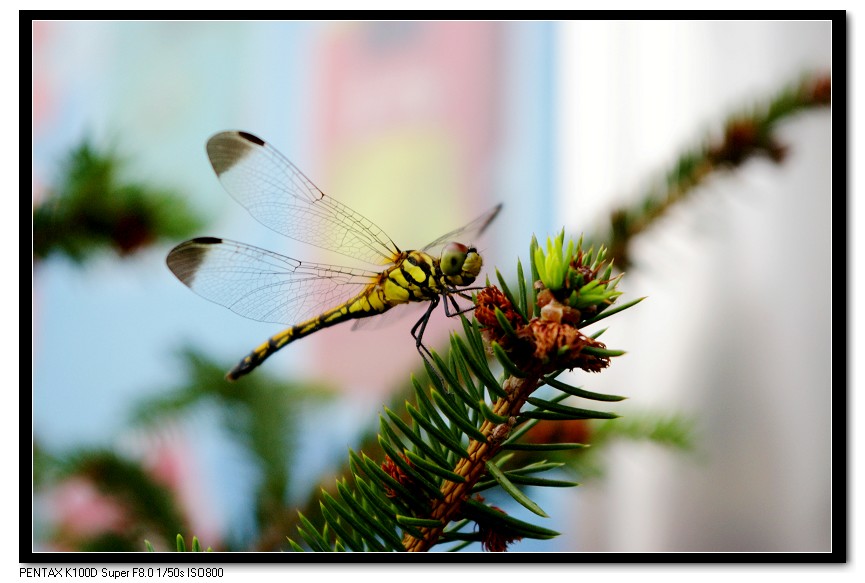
(418, 276)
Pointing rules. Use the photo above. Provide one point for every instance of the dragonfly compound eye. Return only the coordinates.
(453, 257)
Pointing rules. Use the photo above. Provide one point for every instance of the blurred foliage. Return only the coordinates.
(259, 412)
(103, 483)
(91, 207)
(45, 466)
(672, 431)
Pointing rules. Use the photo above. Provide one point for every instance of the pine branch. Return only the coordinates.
(528, 350)
(457, 440)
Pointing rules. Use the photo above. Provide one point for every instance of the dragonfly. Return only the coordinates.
(308, 297)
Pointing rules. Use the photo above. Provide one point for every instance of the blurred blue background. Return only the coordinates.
(421, 127)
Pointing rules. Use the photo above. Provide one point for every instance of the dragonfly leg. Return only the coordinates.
(457, 310)
(418, 334)
(418, 329)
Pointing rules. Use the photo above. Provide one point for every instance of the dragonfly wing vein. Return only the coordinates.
(468, 233)
(262, 285)
(278, 195)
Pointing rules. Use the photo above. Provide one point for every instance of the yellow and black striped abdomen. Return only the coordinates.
(370, 302)
(411, 279)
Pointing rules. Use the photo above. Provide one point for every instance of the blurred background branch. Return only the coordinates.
(748, 134)
(92, 208)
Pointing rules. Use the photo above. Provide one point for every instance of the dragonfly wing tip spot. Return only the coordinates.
(251, 138)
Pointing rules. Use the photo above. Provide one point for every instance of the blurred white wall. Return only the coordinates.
(736, 328)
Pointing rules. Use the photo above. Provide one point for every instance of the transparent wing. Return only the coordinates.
(282, 198)
(260, 284)
(466, 234)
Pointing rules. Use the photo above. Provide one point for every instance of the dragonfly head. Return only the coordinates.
(460, 264)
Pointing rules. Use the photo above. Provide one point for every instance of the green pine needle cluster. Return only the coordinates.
(181, 546)
(552, 266)
(557, 272)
